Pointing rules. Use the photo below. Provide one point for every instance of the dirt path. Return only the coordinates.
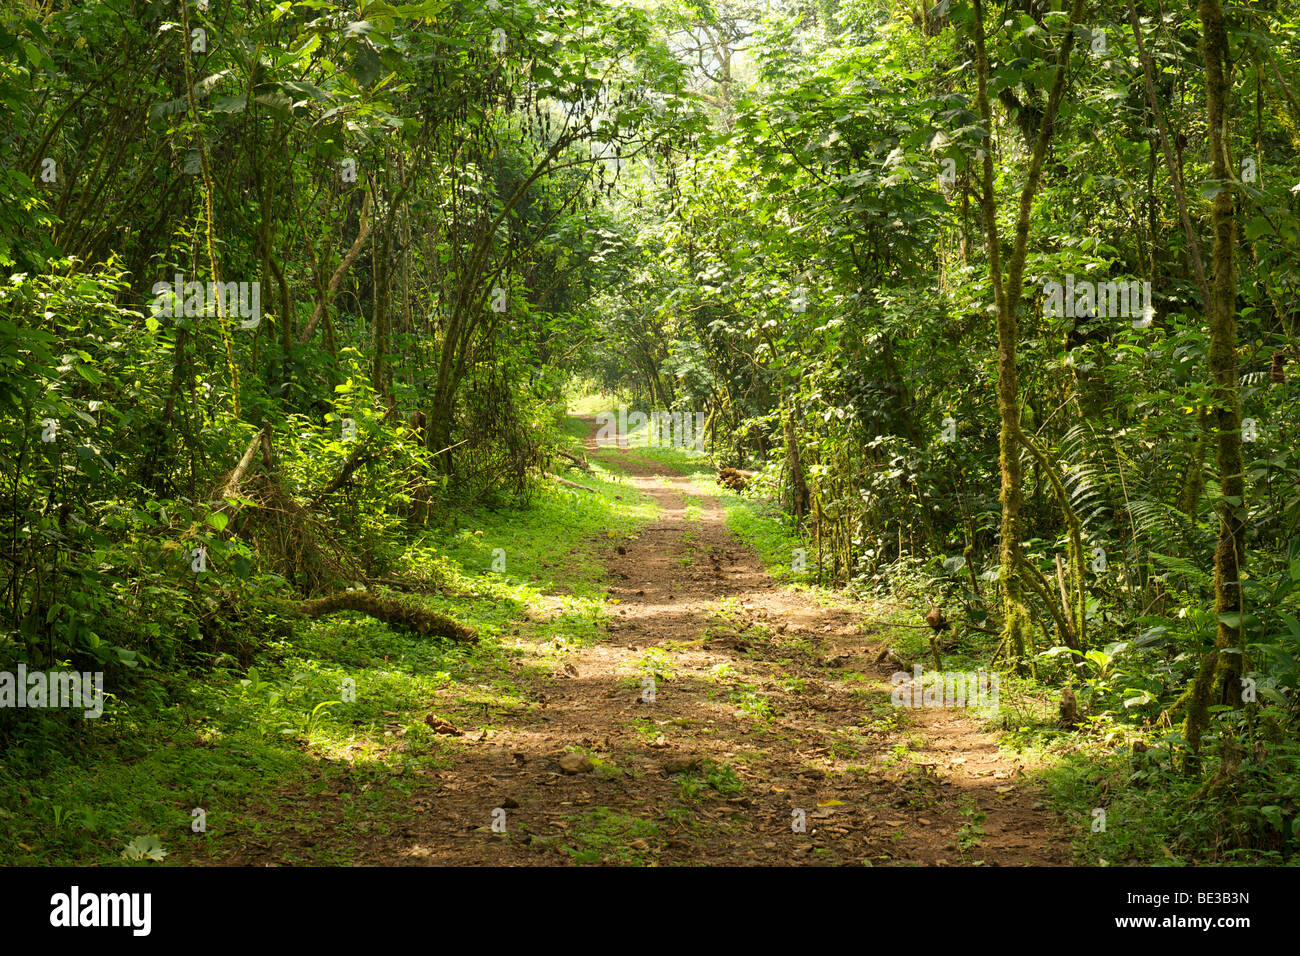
(765, 703)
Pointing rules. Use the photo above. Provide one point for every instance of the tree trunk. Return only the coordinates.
(1219, 678)
(1007, 295)
(798, 483)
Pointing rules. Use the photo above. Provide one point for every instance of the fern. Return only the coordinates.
(1088, 479)
(1191, 574)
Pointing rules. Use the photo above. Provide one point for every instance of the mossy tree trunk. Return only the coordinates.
(1219, 679)
(1007, 295)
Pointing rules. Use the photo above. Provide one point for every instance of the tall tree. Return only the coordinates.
(1007, 296)
(1219, 679)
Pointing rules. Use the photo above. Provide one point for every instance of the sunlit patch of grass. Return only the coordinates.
(658, 663)
(602, 835)
(646, 729)
(800, 645)
(786, 557)
(881, 715)
(721, 673)
(589, 405)
(748, 701)
(793, 685)
(674, 646)
(340, 697)
(726, 609)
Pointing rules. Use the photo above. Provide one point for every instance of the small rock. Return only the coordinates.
(510, 803)
(576, 763)
(682, 765)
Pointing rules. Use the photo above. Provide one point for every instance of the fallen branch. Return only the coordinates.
(230, 487)
(569, 484)
(997, 650)
(580, 463)
(332, 289)
(393, 611)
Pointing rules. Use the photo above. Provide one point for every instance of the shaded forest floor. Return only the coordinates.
(766, 701)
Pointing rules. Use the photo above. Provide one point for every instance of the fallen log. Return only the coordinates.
(393, 611)
(230, 487)
(569, 484)
(580, 463)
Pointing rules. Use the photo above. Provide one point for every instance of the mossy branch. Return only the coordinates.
(1074, 528)
(393, 611)
(1038, 584)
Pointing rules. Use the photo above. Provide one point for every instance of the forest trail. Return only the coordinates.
(766, 702)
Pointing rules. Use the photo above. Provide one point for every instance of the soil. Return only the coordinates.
(779, 686)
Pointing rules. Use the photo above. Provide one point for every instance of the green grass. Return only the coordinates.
(709, 780)
(215, 737)
(588, 403)
(751, 703)
(971, 832)
(605, 836)
(254, 744)
(1154, 814)
(770, 535)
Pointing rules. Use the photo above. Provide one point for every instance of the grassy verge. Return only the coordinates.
(248, 747)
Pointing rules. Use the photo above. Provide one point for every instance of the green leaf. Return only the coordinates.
(35, 55)
(91, 374)
(1258, 227)
(168, 108)
(144, 848)
(230, 104)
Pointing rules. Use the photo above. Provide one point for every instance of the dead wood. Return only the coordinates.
(393, 611)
